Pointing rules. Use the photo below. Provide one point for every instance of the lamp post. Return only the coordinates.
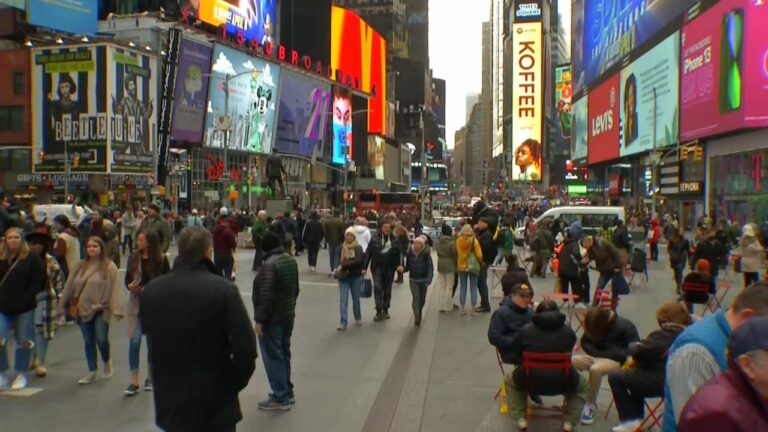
(654, 161)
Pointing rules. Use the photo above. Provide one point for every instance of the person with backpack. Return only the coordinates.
(505, 241)
(678, 256)
(469, 261)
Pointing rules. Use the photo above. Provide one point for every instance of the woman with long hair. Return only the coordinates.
(146, 263)
(92, 294)
(350, 276)
(466, 246)
(22, 276)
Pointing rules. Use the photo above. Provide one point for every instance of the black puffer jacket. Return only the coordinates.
(547, 333)
(506, 322)
(313, 232)
(378, 258)
(651, 352)
(353, 267)
(26, 279)
(488, 246)
(615, 344)
(570, 258)
(275, 288)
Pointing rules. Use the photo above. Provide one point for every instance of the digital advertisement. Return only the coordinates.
(614, 28)
(527, 11)
(305, 105)
(438, 105)
(342, 125)
(724, 69)
(359, 59)
(603, 121)
(72, 16)
(69, 88)
(253, 19)
(133, 90)
(650, 84)
(376, 148)
(191, 91)
(527, 102)
(579, 133)
(250, 116)
(563, 95)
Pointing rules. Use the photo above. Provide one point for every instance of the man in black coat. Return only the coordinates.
(384, 256)
(203, 353)
(311, 236)
(485, 236)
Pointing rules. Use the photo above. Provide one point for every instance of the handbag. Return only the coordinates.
(737, 263)
(367, 289)
(473, 265)
(73, 310)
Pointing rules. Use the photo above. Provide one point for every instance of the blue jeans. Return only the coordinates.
(41, 342)
(275, 343)
(334, 253)
(24, 324)
(463, 277)
(95, 333)
(134, 349)
(350, 285)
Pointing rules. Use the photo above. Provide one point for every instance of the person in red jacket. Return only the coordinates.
(744, 385)
(224, 243)
(654, 234)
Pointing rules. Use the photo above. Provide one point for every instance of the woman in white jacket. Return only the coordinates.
(750, 252)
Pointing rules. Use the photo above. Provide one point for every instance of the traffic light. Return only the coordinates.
(76, 161)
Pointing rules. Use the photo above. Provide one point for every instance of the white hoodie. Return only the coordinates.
(363, 235)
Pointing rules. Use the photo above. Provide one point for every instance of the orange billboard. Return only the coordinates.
(359, 60)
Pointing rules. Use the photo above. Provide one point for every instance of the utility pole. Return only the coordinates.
(66, 171)
(424, 186)
(654, 161)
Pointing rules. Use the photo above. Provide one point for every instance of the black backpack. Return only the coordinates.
(638, 262)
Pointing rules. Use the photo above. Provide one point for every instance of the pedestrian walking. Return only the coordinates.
(66, 249)
(350, 276)
(419, 265)
(485, 238)
(362, 232)
(194, 219)
(153, 221)
(469, 258)
(259, 228)
(145, 264)
(312, 236)
(202, 354)
(224, 244)
(92, 294)
(130, 224)
(47, 299)
(402, 237)
(333, 231)
(384, 258)
(275, 290)
(22, 277)
(748, 256)
(446, 268)
(678, 250)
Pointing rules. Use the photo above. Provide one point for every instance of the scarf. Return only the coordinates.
(348, 250)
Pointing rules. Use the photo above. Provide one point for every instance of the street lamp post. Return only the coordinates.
(654, 161)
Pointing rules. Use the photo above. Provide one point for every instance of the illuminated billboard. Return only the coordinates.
(527, 101)
(359, 61)
(603, 121)
(342, 125)
(563, 95)
(251, 20)
(191, 91)
(303, 115)
(579, 132)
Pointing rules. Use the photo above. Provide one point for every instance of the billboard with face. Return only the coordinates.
(527, 101)
(249, 19)
(342, 125)
(376, 149)
(563, 94)
(133, 89)
(252, 101)
(651, 80)
(580, 132)
(191, 92)
(69, 90)
(303, 115)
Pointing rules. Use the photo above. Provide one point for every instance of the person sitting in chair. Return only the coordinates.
(547, 333)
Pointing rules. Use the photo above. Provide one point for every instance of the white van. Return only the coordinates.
(591, 218)
(46, 212)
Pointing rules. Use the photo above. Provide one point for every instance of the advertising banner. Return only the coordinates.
(133, 91)
(527, 103)
(604, 127)
(69, 96)
(724, 69)
(252, 100)
(563, 95)
(579, 133)
(303, 115)
(527, 11)
(342, 124)
(191, 92)
(651, 80)
(167, 100)
(359, 60)
(72, 16)
(438, 105)
(376, 149)
(611, 29)
(247, 19)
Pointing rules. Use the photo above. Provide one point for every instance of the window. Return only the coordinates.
(18, 83)
(11, 118)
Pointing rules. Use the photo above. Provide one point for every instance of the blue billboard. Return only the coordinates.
(606, 31)
(71, 16)
(302, 118)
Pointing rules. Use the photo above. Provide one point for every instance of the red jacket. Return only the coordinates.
(223, 239)
(727, 403)
(655, 232)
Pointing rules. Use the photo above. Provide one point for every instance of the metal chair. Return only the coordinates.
(695, 293)
(503, 373)
(546, 361)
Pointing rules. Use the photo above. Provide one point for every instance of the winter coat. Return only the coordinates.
(363, 236)
(142, 273)
(446, 255)
(751, 253)
(276, 288)
(202, 354)
(728, 402)
(161, 228)
(465, 245)
(489, 247)
(129, 224)
(607, 258)
(22, 284)
(615, 344)
(651, 353)
(506, 322)
(67, 249)
(379, 255)
(570, 259)
(513, 277)
(655, 235)
(620, 238)
(334, 231)
(49, 299)
(313, 232)
(711, 250)
(420, 266)
(547, 333)
(223, 239)
(678, 252)
(543, 241)
(353, 267)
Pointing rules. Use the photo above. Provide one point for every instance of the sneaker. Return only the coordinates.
(483, 309)
(378, 317)
(291, 398)
(41, 371)
(88, 379)
(341, 327)
(108, 372)
(386, 314)
(233, 276)
(463, 311)
(148, 385)
(627, 426)
(567, 427)
(587, 416)
(522, 424)
(132, 390)
(20, 382)
(273, 405)
(455, 307)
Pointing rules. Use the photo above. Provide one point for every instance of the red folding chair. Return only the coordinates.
(723, 288)
(695, 293)
(653, 419)
(546, 361)
(503, 373)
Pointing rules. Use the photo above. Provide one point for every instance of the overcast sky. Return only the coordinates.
(455, 42)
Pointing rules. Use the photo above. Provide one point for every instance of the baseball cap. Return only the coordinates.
(750, 336)
(224, 211)
(522, 289)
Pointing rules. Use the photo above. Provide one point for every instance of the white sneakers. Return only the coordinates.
(312, 269)
(88, 379)
(107, 370)
(627, 426)
(20, 382)
(522, 424)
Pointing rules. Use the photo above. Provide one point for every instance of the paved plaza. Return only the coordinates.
(377, 377)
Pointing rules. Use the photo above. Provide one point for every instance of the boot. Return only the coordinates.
(378, 316)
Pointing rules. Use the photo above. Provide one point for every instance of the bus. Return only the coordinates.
(384, 202)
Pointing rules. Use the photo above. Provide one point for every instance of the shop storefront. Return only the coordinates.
(737, 177)
(682, 184)
(216, 183)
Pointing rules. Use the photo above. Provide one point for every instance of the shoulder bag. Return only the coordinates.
(473, 264)
(72, 304)
(10, 269)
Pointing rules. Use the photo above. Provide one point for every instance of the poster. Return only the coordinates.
(250, 19)
(191, 92)
(376, 149)
(302, 119)
(133, 93)
(603, 121)
(579, 133)
(72, 16)
(563, 94)
(651, 80)
(252, 102)
(342, 124)
(527, 101)
(69, 96)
